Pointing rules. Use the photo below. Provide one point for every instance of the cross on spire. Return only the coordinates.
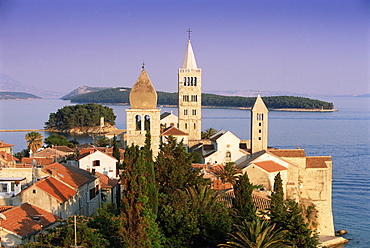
(189, 31)
(143, 65)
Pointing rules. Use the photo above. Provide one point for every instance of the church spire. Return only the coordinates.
(259, 126)
(189, 60)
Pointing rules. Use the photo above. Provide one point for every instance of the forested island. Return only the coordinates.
(17, 95)
(121, 96)
(79, 118)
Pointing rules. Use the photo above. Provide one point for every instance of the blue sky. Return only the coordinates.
(312, 47)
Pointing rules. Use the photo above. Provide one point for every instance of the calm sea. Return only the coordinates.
(344, 135)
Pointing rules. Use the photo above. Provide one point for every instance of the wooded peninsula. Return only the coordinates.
(121, 96)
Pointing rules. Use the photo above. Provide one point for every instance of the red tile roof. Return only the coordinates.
(288, 153)
(55, 188)
(4, 208)
(39, 161)
(173, 131)
(64, 149)
(7, 156)
(22, 219)
(105, 181)
(260, 202)
(69, 174)
(87, 152)
(270, 166)
(317, 162)
(4, 145)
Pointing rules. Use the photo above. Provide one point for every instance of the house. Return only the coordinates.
(11, 186)
(53, 196)
(87, 199)
(20, 225)
(169, 120)
(224, 148)
(55, 154)
(7, 159)
(110, 189)
(65, 149)
(179, 135)
(97, 161)
(6, 147)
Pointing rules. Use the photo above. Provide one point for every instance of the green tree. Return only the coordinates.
(173, 169)
(102, 141)
(64, 235)
(243, 202)
(277, 205)
(116, 152)
(257, 234)
(228, 173)
(206, 134)
(138, 220)
(56, 140)
(34, 141)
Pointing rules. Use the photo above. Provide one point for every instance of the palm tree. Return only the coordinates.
(34, 141)
(202, 196)
(257, 234)
(206, 134)
(228, 173)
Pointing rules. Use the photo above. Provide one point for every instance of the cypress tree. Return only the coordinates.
(277, 207)
(243, 202)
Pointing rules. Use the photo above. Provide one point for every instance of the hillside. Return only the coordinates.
(81, 90)
(121, 96)
(17, 95)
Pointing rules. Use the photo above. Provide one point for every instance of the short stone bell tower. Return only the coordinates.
(143, 114)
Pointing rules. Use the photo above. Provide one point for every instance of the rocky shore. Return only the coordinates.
(107, 128)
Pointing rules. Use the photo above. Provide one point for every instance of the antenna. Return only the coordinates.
(189, 31)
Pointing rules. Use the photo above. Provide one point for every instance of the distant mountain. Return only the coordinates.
(8, 84)
(254, 93)
(82, 90)
(17, 95)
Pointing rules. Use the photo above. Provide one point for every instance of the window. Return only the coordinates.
(194, 125)
(4, 187)
(194, 112)
(260, 131)
(185, 112)
(194, 98)
(188, 81)
(147, 123)
(260, 124)
(259, 138)
(185, 98)
(195, 81)
(92, 193)
(186, 125)
(138, 122)
(96, 163)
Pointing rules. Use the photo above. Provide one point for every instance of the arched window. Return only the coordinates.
(147, 123)
(191, 81)
(195, 81)
(185, 112)
(194, 112)
(138, 122)
(186, 125)
(188, 81)
(228, 154)
(195, 126)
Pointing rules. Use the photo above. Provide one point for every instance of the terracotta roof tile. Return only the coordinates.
(288, 153)
(38, 161)
(22, 219)
(260, 202)
(4, 145)
(69, 174)
(49, 152)
(105, 181)
(7, 156)
(64, 149)
(55, 188)
(4, 208)
(270, 166)
(173, 131)
(317, 162)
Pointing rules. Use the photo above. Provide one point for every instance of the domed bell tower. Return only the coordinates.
(143, 114)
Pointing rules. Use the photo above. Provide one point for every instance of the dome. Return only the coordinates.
(143, 94)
